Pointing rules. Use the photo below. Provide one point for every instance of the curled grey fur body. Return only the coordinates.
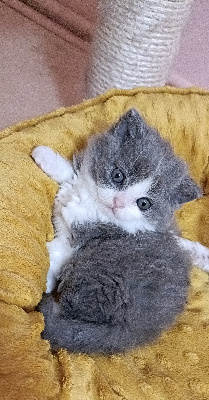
(117, 292)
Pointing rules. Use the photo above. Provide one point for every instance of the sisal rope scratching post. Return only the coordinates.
(134, 43)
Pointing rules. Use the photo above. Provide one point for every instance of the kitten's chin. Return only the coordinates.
(129, 224)
(133, 227)
(112, 211)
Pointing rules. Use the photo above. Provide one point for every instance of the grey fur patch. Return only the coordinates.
(117, 292)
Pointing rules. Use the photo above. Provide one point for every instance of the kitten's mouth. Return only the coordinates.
(113, 209)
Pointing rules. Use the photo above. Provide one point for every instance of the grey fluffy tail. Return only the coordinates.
(80, 336)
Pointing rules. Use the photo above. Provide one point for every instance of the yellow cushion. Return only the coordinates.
(174, 367)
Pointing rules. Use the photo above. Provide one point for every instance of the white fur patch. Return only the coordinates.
(53, 164)
(111, 205)
(199, 254)
(123, 206)
(59, 252)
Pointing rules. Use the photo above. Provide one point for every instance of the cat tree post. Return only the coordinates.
(134, 43)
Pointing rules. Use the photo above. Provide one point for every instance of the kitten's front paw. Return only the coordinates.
(74, 211)
(44, 158)
(199, 254)
(53, 164)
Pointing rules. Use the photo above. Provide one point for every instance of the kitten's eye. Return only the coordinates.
(117, 175)
(144, 203)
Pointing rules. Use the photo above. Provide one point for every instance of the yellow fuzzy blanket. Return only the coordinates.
(174, 367)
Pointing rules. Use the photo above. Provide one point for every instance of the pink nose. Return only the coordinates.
(119, 202)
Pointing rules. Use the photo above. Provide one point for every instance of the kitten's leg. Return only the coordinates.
(198, 252)
(53, 164)
(60, 251)
(59, 169)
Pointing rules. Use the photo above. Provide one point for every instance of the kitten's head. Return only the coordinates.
(135, 175)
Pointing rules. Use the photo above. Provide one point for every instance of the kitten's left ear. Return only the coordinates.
(131, 124)
(186, 191)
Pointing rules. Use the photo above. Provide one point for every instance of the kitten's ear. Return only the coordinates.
(186, 191)
(130, 125)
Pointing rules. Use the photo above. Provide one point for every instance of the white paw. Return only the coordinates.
(44, 157)
(201, 258)
(73, 212)
(53, 164)
(66, 194)
(199, 254)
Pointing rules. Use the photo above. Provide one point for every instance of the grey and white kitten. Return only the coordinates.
(114, 180)
(114, 236)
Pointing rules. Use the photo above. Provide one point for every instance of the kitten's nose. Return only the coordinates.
(119, 202)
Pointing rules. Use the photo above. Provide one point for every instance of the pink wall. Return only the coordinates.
(44, 69)
(192, 61)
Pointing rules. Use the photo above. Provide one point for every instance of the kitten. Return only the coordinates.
(124, 275)
(118, 291)
(127, 176)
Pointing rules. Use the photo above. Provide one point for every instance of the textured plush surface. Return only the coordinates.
(174, 367)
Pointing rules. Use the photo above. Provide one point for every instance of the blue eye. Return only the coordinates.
(117, 175)
(144, 203)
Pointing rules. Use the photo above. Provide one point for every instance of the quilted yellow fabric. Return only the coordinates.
(174, 367)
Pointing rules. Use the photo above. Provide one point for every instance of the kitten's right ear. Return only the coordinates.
(130, 125)
(187, 190)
